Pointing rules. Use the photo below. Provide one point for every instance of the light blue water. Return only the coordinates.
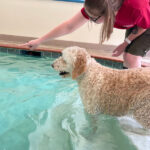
(41, 111)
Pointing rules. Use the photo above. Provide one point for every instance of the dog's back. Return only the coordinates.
(117, 92)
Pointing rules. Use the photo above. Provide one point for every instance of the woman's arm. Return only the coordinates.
(65, 28)
(133, 36)
(120, 49)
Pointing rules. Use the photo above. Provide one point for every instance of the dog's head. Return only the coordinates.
(73, 62)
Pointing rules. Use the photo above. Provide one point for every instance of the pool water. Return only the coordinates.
(41, 111)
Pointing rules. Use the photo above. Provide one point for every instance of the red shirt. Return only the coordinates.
(131, 13)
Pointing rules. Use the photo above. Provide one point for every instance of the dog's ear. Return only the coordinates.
(79, 65)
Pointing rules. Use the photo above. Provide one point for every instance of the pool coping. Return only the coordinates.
(53, 50)
(54, 53)
(56, 46)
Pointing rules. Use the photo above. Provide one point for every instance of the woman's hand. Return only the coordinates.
(33, 44)
(120, 49)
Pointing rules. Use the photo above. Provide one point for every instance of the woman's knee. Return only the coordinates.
(132, 61)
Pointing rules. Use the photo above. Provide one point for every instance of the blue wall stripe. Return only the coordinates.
(77, 1)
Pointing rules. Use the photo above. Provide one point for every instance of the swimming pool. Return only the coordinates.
(41, 111)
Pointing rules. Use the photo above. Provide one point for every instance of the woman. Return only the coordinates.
(133, 15)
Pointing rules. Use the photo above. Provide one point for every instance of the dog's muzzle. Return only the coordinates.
(62, 73)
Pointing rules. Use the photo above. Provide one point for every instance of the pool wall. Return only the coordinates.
(34, 18)
(55, 53)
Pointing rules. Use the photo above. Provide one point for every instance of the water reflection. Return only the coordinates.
(68, 128)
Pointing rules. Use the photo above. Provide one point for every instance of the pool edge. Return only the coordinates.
(16, 46)
(58, 50)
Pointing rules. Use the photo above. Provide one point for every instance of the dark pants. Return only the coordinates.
(139, 46)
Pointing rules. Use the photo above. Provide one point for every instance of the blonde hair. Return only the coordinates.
(107, 9)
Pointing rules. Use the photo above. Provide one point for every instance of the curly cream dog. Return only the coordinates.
(109, 91)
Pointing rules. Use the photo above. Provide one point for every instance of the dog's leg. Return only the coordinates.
(93, 121)
(91, 126)
(128, 124)
(142, 115)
